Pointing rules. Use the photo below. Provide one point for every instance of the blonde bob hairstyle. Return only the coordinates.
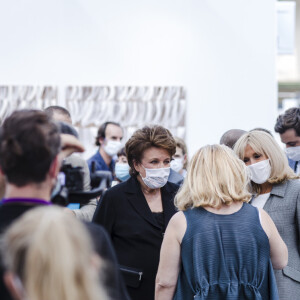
(263, 143)
(215, 176)
(51, 253)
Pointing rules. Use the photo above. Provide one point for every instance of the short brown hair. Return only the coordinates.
(145, 138)
(289, 120)
(29, 142)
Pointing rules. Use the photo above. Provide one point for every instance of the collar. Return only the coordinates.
(279, 189)
(26, 201)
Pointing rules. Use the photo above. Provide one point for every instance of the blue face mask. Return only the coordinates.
(122, 171)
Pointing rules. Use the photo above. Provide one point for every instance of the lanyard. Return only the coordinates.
(25, 200)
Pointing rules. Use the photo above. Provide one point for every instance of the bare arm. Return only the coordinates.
(169, 264)
(278, 249)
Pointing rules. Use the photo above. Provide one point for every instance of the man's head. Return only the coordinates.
(262, 129)
(288, 126)
(230, 137)
(58, 113)
(29, 144)
(109, 137)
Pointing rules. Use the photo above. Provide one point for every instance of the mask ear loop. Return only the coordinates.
(145, 171)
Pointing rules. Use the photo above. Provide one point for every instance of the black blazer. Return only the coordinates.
(136, 236)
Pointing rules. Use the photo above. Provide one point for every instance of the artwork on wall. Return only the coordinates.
(90, 106)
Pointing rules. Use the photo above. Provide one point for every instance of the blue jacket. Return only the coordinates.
(100, 163)
(293, 164)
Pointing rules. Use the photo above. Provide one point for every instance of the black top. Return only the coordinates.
(160, 219)
(135, 233)
(102, 244)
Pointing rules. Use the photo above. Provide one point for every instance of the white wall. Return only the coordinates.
(223, 52)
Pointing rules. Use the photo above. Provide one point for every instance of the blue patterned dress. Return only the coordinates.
(225, 257)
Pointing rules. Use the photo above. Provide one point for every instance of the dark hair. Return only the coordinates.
(50, 110)
(289, 120)
(145, 138)
(102, 129)
(29, 142)
(121, 152)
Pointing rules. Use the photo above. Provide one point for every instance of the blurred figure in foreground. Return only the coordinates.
(48, 255)
(31, 151)
(218, 243)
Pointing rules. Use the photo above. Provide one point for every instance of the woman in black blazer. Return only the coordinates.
(137, 211)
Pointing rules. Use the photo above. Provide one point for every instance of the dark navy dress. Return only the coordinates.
(225, 257)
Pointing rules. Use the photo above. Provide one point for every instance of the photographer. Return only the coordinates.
(30, 159)
(62, 116)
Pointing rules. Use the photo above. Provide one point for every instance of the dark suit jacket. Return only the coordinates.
(113, 281)
(136, 235)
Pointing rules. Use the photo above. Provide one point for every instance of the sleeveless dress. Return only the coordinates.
(225, 257)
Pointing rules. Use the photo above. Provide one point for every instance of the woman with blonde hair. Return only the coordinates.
(275, 188)
(218, 244)
(48, 255)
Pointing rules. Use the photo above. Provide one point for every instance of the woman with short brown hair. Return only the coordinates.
(137, 211)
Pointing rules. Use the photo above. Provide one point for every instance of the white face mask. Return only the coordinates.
(260, 172)
(112, 147)
(177, 164)
(156, 178)
(293, 153)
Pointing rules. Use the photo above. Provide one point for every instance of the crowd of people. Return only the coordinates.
(223, 225)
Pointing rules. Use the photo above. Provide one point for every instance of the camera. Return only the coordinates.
(69, 186)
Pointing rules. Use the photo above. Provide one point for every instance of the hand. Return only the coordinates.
(69, 145)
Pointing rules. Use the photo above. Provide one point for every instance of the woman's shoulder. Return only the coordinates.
(292, 185)
(287, 189)
(294, 182)
(122, 187)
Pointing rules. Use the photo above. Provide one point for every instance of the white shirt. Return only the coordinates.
(260, 200)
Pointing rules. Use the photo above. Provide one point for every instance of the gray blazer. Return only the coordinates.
(283, 206)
